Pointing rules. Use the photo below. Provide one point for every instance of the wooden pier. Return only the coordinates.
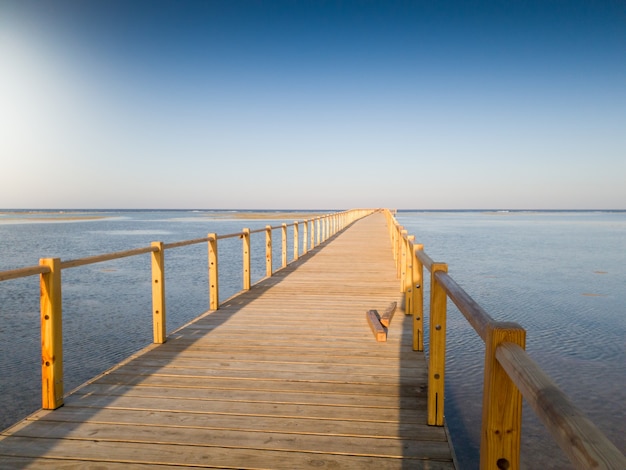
(286, 375)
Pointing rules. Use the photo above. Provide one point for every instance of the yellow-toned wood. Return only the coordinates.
(312, 233)
(284, 244)
(305, 236)
(437, 359)
(373, 319)
(268, 250)
(385, 318)
(556, 411)
(408, 277)
(158, 294)
(502, 403)
(214, 298)
(399, 243)
(403, 260)
(296, 238)
(51, 335)
(418, 300)
(394, 241)
(246, 258)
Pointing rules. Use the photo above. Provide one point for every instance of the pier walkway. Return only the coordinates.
(287, 375)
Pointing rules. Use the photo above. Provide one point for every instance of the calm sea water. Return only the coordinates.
(561, 275)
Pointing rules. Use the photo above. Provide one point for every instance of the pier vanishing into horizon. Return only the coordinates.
(320, 364)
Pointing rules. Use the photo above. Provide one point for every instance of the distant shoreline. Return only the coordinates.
(52, 215)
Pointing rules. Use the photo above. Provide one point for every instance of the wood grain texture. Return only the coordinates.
(284, 376)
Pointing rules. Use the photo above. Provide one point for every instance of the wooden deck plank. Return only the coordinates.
(260, 440)
(133, 453)
(297, 425)
(285, 375)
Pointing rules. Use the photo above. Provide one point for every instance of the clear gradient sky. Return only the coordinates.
(299, 104)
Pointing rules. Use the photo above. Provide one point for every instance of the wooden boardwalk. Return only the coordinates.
(285, 376)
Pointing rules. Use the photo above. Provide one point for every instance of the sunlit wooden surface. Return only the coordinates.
(287, 375)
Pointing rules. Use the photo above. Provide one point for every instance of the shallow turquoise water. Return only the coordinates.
(561, 275)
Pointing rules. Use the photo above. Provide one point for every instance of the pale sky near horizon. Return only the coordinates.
(313, 105)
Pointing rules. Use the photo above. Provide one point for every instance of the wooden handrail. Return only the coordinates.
(23, 272)
(229, 235)
(565, 422)
(425, 260)
(509, 374)
(195, 241)
(473, 313)
(106, 257)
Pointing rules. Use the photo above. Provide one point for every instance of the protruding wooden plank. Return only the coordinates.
(387, 315)
(380, 332)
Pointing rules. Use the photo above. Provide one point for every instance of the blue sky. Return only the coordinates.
(297, 104)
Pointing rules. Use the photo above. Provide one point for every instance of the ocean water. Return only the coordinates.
(107, 310)
(561, 275)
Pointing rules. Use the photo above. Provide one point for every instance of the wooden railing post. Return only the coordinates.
(305, 236)
(437, 359)
(312, 233)
(296, 237)
(246, 258)
(408, 276)
(398, 249)
(158, 294)
(502, 403)
(214, 300)
(268, 251)
(51, 335)
(403, 259)
(284, 244)
(418, 301)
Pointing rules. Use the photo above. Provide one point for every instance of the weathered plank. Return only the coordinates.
(373, 319)
(385, 318)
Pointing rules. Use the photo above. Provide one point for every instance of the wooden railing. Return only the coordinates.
(509, 373)
(50, 269)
